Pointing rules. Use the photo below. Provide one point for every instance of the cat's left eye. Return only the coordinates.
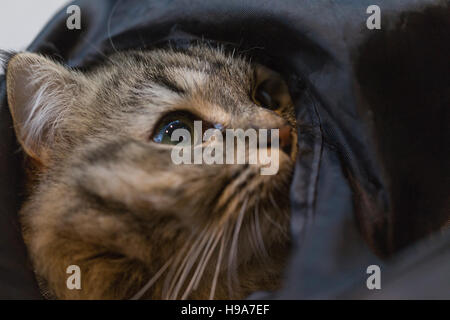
(164, 131)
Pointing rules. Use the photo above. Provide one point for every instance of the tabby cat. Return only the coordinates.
(104, 194)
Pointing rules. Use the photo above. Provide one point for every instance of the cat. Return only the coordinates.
(105, 196)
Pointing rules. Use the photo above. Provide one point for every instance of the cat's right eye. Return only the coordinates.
(264, 94)
(270, 91)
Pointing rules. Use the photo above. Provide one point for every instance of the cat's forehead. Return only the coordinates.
(209, 74)
(197, 79)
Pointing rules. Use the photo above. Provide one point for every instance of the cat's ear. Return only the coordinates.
(39, 92)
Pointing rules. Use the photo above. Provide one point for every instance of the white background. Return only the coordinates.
(22, 20)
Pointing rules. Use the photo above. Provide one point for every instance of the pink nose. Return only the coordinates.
(286, 138)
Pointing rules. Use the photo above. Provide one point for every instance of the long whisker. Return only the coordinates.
(190, 260)
(277, 225)
(258, 232)
(216, 274)
(202, 266)
(152, 281)
(177, 269)
(233, 251)
(274, 203)
(252, 237)
(252, 234)
(172, 270)
(170, 278)
(204, 262)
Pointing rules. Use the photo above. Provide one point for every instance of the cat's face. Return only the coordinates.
(108, 196)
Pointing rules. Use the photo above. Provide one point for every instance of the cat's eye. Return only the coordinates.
(164, 131)
(263, 95)
(270, 90)
(178, 120)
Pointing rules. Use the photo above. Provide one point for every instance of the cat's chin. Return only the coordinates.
(113, 276)
(253, 263)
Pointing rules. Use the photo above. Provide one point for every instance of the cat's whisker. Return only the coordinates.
(107, 58)
(255, 235)
(224, 233)
(177, 268)
(234, 248)
(193, 260)
(258, 231)
(252, 236)
(197, 269)
(275, 224)
(202, 266)
(189, 261)
(274, 203)
(152, 281)
(108, 25)
(219, 262)
(173, 269)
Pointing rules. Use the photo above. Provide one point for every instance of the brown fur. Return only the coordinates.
(109, 199)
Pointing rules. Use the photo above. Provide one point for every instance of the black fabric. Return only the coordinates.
(373, 107)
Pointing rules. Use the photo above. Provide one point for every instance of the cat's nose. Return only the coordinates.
(285, 136)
